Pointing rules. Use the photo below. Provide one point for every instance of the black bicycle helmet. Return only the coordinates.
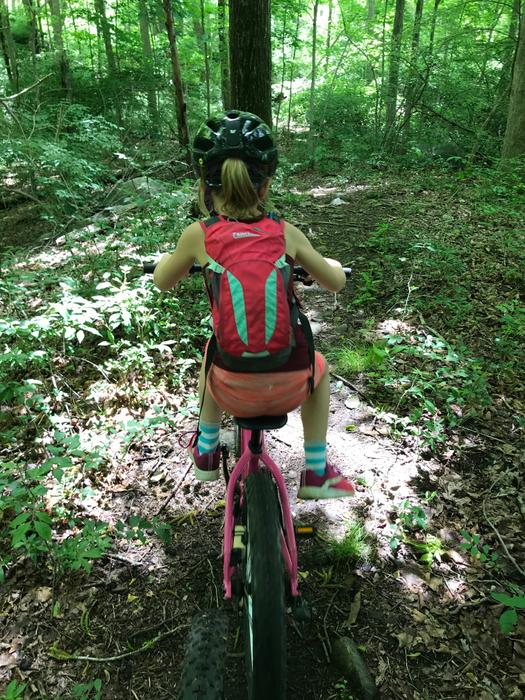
(234, 134)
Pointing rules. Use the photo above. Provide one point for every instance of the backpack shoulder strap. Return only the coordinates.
(207, 223)
(272, 215)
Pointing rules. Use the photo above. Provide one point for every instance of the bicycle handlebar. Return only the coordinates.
(299, 273)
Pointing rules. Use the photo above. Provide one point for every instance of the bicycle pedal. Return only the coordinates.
(303, 532)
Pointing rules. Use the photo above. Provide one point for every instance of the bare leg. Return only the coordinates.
(210, 413)
(314, 411)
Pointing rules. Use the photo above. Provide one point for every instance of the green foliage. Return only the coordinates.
(474, 546)
(508, 619)
(412, 519)
(353, 360)
(87, 691)
(65, 162)
(14, 691)
(354, 546)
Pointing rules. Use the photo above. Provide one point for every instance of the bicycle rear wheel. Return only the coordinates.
(264, 605)
(202, 675)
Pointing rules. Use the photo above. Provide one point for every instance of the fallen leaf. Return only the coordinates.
(354, 609)
(7, 661)
(352, 402)
(43, 594)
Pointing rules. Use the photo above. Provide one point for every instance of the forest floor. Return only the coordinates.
(393, 568)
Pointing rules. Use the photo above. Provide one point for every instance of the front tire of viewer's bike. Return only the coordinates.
(202, 675)
(264, 604)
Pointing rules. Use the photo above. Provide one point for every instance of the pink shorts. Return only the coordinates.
(262, 393)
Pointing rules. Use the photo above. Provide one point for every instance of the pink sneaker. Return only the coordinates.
(332, 484)
(205, 466)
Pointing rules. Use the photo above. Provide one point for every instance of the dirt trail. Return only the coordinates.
(425, 631)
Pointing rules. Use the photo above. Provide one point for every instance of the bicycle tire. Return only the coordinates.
(202, 676)
(264, 604)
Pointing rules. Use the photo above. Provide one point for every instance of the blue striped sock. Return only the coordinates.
(208, 437)
(315, 454)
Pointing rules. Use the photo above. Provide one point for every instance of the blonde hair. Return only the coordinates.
(237, 196)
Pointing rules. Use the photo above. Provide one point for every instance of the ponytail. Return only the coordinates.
(237, 196)
(238, 193)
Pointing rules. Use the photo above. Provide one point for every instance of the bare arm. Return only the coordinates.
(171, 268)
(326, 271)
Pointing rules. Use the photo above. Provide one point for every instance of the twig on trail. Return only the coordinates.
(485, 435)
(173, 492)
(352, 386)
(64, 656)
(102, 371)
(521, 505)
(408, 295)
(496, 531)
(153, 627)
(324, 620)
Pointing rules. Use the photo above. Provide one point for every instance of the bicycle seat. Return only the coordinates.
(262, 422)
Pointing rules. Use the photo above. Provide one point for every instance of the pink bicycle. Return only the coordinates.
(259, 568)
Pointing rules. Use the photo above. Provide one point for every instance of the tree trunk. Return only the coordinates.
(411, 88)
(182, 123)
(383, 59)
(280, 96)
(311, 142)
(514, 141)
(103, 27)
(8, 47)
(370, 25)
(393, 70)
(34, 39)
(292, 68)
(328, 35)
(148, 61)
(223, 55)
(60, 52)
(100, 9)
(250, 57)
(510, 52)
(206, 60)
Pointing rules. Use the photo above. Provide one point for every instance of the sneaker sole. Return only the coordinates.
(203, 474)
(316, 492)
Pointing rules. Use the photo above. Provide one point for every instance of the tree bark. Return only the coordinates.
(370, 25)
(34, 39)
(100, 9)
(311, 106)
(280, 97)
(223, 55)
(61, 59)
(393, 70)
(411, 87)
(8, 47)
(514, 141)
(328, 36)
(206, 60)
(510, 51)
(182, 122)
(148, 61)
(250, 57)
(292, 68)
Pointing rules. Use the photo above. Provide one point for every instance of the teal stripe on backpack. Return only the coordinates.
(270, 306)
(239, 307)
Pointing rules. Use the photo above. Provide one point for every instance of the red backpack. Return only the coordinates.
(250, 285)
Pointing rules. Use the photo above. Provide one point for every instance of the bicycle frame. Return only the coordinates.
(253, 454)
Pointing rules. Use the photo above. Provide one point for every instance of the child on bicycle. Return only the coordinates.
(264, 364)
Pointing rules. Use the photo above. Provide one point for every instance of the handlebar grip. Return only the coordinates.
(149, 268)
(347, 271)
